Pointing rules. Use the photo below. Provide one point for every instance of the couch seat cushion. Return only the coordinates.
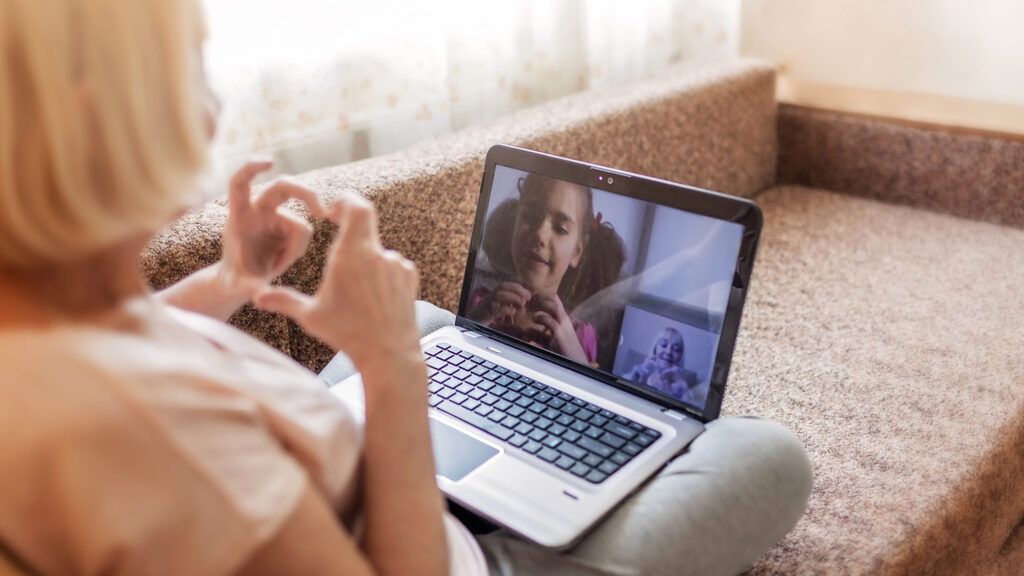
(890, 340)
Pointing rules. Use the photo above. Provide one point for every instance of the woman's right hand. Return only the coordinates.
(505, 301)
(365, 303)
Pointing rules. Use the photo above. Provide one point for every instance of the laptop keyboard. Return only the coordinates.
(556, 427)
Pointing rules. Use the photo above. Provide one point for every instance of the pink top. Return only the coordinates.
(166, 442)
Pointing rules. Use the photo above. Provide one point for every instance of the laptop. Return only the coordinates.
(593, 339)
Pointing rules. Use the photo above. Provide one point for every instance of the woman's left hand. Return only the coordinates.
(262, 238)
(551, 314)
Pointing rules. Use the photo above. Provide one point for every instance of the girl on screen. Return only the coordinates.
(663, 369)
(553, 253)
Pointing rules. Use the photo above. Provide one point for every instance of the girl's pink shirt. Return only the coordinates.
(585, 331)
(163, 442)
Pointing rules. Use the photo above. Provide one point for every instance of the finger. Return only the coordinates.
(546, 320)
(286, 189)
(358, 224)
(298, 233)
(240, 186)
(518, 289)
(291, 303)
(509, 296)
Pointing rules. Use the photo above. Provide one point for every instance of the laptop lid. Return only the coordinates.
(633, 281)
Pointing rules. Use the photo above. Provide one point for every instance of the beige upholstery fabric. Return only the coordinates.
(968, 174)
(888, 338)
(710, 124)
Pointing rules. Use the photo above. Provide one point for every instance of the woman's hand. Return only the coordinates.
(262, 238)
(364, 305)
(551, 314)
(505, 301)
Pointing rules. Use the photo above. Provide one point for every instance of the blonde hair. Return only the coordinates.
(102, 134)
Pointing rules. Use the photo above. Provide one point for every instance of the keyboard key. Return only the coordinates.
(612, 440)
(523, 428)
(556, 403)
(476, 359)
(652, 433)
(537, 407)
(622, 420)
(596, 477)
(596, 447)
(551, 413)
(557, 429)
(529, 417)
(517, 440)
(578, 402)
(434, 387)
(446, 393)
(435, 363)
(474, 419)
(470, 404)
(511, 395)
(565, 462)
(461, 375)
(598, 421)
(515, 411)
(489, 399)
(525, 380)
(478, 371)
(517, 386)
(433, 351)
(476, 394)
(496, 416)
(592, 459)
(622, 430)
(510, 422)
(551, 441)
(548, 455)
(594, 432)
(503, 380)
(450, 369)
(580, 469)
(529, 392)
(608, 467)
(532, 447)
(524, 401)
(465, 354)
(573, 451)
(500, 369)
(607, 414)
(502, 405)
(491, 375)
(565, 420)
(585, 415)
(632, 449)
(571, 436)
(486, 385)
(542, 423)
(483, 410)
(458, 398)
(538, 435)
(463, 388)
(570, 409)
(636, 426)
(565, 396)
(579, 426)
(643, 440)
(488, 365)
(620, 458)
(543, 397)
(434, 400)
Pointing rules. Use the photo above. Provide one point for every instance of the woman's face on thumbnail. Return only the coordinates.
(546, 240)
(668, 352)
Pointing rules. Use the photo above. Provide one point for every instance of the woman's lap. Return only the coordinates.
(713, 510)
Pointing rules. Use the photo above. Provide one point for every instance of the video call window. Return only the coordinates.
(622, 285)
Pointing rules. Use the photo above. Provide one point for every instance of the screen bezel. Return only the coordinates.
(741, 211)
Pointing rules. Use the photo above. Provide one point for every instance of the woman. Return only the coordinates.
(141, 435)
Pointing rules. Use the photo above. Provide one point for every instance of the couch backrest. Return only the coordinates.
(709, 124)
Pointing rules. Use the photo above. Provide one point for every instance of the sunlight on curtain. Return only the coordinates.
(320, 82)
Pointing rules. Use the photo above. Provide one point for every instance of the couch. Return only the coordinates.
(883, 325)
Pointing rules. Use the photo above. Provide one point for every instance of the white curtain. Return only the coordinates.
(321, 82)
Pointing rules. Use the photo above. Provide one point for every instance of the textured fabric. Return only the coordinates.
(709, 123)
(888, 339)
(974, 175)
(712, 511)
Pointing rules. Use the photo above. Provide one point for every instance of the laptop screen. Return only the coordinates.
(631, 288)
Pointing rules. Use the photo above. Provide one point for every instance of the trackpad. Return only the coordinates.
(457, 454)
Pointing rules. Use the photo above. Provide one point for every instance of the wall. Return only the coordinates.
(945, 47)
